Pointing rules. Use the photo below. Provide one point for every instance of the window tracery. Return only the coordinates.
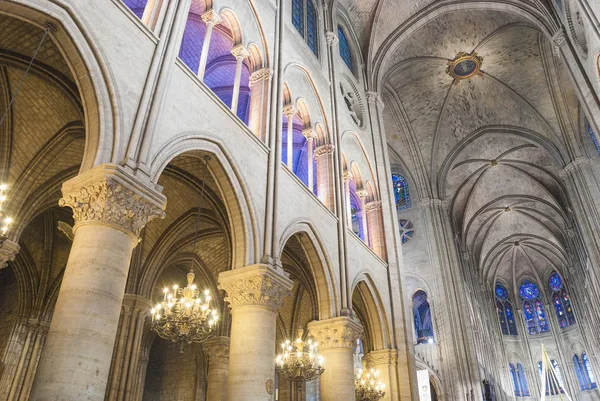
(533, 308)
(506, 316)
(401, 193)
(305, 19)
(584, 373)
(561, 301)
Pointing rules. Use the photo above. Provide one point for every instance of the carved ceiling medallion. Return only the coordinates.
(464, 65)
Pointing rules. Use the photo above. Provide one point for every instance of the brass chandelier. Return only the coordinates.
(185, 315)
(299, 361)
(367, 386)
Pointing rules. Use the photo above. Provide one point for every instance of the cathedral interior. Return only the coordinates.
(299, 200)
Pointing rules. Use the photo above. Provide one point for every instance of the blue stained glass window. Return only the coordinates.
(580, 373)
(529, 291)
(401, 193)
(506, 316)
(298, 15)
(588, 369)
(345, 52)
(533, 308)
(501, 292)
(515, 381)
(312, 29)
(561, 301)
(422, 318)
(522, 380)
(593, 137)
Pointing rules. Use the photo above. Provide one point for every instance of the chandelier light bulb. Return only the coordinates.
(299, 360)
(367, 386)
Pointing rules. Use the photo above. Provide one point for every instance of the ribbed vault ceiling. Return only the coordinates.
(491, 146)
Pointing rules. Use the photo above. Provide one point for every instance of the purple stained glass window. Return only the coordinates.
(533, 308)
(137, 6)
(555, 282)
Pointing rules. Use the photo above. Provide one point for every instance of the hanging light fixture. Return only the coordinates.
(184, 315)
(299, 361)
(367, 386)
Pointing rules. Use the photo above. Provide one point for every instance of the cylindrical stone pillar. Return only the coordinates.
(325, 180)
(289, 112)
(210, 18)
(310, 136)
(254, 294)
(109, 209)
(217, 349)
(240, 53)
(347, 178)
(375, 224)
(336, 338)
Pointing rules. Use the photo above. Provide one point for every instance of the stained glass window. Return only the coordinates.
(580, 373)
(306, 21)
(422, 318)
(588, 369)
(515, 380)
(561, 301)
(504, 308)
(594, 138)
(298, 15)
(552, 387)
(533, 308)
(345, 52)
(522, 380)
(312, 27)
(401, 193)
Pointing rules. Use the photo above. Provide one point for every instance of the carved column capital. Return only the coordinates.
(240, 52)
(137, 304)
(217, 349)
(8, 252)
(338, 332)
(289, 110)
(348, 176)
(260, 285)
(375, 98)
(264, 74)
(331, 38)
(382, 357)
(574, 165)
(309, 133)
(372, 206)
(362, 193)
(211, 17)
(108, 195)
(324, 150)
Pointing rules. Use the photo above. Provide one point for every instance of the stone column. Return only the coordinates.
(336, 338)
(110, 208)
(259, 96)
(374, 222)
(217, 349)
(362, 194)
(211, 18)
(386, 362)
(126, 354)
(153, 14)
(254, 294)
(240, 53)
(8, 252)
(324, 162)
(310, 136)
(347, 178)
(289, 111)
